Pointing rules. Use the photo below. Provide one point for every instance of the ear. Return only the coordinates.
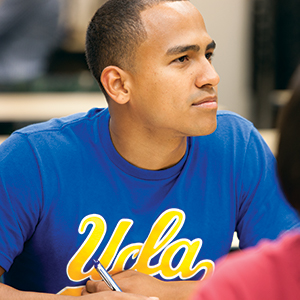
(114, 80)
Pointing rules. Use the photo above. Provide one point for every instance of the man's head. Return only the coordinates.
(288, 156)
(114, 33)
(157, 68)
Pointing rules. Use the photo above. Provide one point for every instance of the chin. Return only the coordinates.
(206, 128)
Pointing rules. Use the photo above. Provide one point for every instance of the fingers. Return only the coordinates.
(117, 296)
(94, 287)
(125, 296)
(83, 291)
(103, 291)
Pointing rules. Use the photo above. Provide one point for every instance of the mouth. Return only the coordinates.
(208, 102)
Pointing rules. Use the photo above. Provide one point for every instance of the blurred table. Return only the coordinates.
(271, 137)
(3, 138)
(26, 107)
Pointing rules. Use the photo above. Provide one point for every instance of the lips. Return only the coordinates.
(207, 100)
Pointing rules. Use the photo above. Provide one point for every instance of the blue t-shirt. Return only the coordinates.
(68, 197)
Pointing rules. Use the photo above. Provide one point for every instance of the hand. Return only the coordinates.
(130, 282)
(117, 296)
(138, 283)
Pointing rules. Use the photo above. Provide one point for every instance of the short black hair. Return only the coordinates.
(288, 154)
(114, 33)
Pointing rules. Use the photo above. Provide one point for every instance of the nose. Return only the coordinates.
(206, 75)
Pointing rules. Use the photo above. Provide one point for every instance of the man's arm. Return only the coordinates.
(7, 292)
(262, 210)
(136, 282)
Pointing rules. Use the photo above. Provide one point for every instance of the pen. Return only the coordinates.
(106, 277)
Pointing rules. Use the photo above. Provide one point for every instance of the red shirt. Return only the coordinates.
(269, 271)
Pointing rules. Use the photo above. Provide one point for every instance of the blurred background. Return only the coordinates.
(43, 72)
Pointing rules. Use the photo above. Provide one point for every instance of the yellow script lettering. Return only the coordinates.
(184, 268)
(163, 231)
(75, 268)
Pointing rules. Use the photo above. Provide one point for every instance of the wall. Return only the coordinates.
(228, 23)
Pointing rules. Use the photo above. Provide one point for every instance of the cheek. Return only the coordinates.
(160, 91)
(156, 89)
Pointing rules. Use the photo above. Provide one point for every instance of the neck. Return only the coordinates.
(147, 150)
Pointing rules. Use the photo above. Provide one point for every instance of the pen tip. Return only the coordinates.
(95, 261)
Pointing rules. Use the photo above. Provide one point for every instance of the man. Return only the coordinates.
(149, 184)
(272, 269)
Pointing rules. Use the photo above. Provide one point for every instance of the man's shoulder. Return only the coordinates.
(230, 124)
(59, 132)
(225, 115)
(58, 124)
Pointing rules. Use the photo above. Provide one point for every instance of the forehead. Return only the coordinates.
(169, 24)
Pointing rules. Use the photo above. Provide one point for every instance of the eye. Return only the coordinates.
(209, 56)
(182, 59)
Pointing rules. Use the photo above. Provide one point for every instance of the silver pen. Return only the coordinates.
(106, 277)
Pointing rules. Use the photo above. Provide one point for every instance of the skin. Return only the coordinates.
(169, 94)
(154, 105)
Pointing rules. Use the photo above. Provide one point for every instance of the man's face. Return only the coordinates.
(174, 85)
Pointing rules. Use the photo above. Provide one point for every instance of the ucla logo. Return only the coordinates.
(160, 241)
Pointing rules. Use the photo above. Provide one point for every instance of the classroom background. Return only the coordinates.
(43, 73)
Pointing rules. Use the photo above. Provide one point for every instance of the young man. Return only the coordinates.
(272, 269)
(157, 183)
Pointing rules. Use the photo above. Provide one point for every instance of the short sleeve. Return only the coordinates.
(20, 196)
(263, 211)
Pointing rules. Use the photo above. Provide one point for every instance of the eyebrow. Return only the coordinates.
(196, 48)
(211, 45)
